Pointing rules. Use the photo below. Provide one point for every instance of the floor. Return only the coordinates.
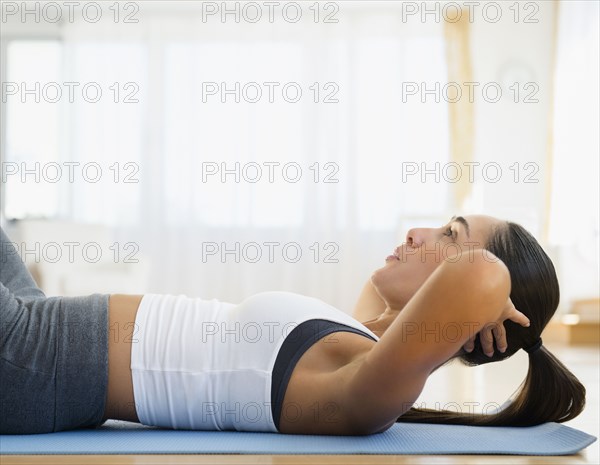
(487, 385)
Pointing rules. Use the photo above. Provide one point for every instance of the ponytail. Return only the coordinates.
(550, 392)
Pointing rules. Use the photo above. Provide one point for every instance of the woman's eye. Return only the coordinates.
(449, 232)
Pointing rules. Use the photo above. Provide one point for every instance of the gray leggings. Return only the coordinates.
(53, 354)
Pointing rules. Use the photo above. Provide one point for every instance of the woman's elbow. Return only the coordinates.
(480, 267)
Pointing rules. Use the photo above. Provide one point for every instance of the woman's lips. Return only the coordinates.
(392, 257)
(396, 255)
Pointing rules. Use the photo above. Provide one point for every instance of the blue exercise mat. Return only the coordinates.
(120, 437)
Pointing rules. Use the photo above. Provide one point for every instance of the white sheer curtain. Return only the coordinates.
(575, 194)
(171, 136)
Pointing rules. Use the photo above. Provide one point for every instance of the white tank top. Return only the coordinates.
(207, 365)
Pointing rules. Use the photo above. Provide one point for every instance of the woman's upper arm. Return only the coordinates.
(455, 302)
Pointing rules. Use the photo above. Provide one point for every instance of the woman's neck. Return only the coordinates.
(380, 324)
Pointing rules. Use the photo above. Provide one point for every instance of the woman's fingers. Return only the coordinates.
(511, 313)
(500, 336)
(518, 317)
(495, 331)
(470, 344)
(487, 339)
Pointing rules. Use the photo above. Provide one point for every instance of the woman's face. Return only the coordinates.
(424, 250)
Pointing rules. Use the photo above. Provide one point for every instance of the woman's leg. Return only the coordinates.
(14, 274)
(27, 370)
(53, 355)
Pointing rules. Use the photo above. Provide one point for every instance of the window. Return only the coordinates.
(33, 129)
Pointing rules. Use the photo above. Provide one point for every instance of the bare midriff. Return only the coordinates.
(120, 402)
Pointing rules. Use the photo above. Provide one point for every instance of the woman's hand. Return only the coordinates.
(496, 330)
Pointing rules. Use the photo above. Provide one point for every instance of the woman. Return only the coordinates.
(287, 363)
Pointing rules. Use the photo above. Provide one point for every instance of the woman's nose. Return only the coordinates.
(415, 237)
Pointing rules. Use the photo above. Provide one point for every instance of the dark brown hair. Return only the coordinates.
(550, 391)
